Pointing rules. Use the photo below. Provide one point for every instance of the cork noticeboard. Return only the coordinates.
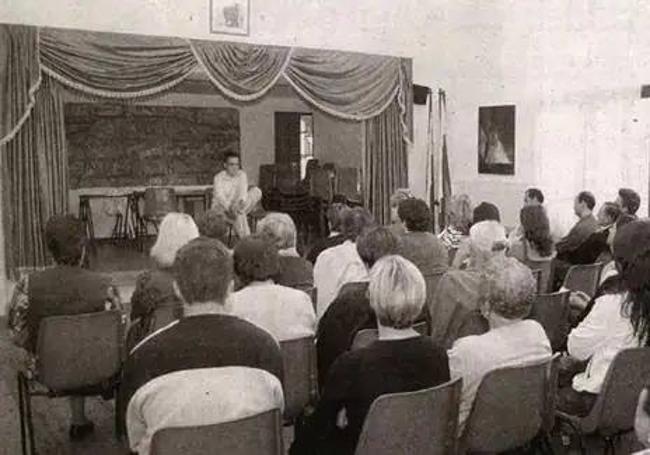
(120, 145)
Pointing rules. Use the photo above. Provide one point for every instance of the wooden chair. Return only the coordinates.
(583, 278)
(300, 377)
(508, 410)
(260, 434)
(415, 423)
(158, 202)
(613, 413)
(552, 312)
(79, 355)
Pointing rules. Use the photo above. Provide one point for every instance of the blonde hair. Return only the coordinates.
(175, 230)
(460, 213)
(397, 291)
(280, 228)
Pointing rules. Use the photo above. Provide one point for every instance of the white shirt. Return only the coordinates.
(598, 338)
(201, 396)
(335, 267)
(472, 357)
(229, 190)
(284, 312)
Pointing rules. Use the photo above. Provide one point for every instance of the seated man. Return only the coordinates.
(64, 289)
(583, 207)
(206, 368)
(454, 309)
(284, 312)
(351, 311)
(596, 244)
(510, 341)
(232, 196)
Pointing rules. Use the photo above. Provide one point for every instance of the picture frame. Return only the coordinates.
(496, 140)
(230, 17)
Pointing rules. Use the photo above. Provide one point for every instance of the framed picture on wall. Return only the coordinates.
(230, 17)
(496, 140)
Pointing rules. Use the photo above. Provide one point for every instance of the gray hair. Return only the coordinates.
(509, 288)
(397, 291)
(176, 230)
(280, 228)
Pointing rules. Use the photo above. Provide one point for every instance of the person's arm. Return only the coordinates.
(576, 236)
(588, 336)
(242, 191)
(18, 308)
(219, 199)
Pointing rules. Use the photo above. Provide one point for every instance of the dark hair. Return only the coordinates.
(535, 225)
(213, 224)
(256, 259)
(612, 210)
(630, 200)
(203, 270)
(486, 211)
(65, 239)
(632, 256)
(623, 219)
(587, 198)
(228, 155)
(354, 221)
(335, 214)
(535, 193)
(375, 243)
(415, 214)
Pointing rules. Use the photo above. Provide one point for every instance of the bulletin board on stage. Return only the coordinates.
(121, 145)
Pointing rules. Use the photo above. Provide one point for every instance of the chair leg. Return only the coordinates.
(21, 414)
(30, 423)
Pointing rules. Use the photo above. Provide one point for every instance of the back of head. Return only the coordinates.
(611, 210)
(279, 228)
(397, 291)
(587, 198)
(65, 239)
(630, 200)
(375, 243)
(354, 221)
(459, 212)
(415, 214)
(335, 214)
(487, 239)
(203, 271)
(256, 259)
(175, 230)
(213, 224)
(535, 225)
(510, 287)
(486, 211)
(535, 194)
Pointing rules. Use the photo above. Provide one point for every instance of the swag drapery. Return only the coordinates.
(36, 62)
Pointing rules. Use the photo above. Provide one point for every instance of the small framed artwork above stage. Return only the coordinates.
(496, 140)
(230, 17)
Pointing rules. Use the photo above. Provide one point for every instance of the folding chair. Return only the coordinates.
(300, 378)
(508, 410)
(79, 355)
(415, 423)
(552, 312)
(544, 268)
(260, 434)
(613, 413)
(583, 278)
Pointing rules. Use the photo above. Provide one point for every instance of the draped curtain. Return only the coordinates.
(359, 87)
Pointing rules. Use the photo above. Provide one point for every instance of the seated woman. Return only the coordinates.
(64, 289)
(396, 224)
(284, 312)
(615, 322)
(533, 246)
(295, 272)
(401, 360)
(153, 288)
(459, 220)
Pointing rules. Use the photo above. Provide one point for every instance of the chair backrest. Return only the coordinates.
(81, 350)
(320, 184)
(614, 409)
(159, 201)
(300, 378)
(553, 373)
(583, 278)
(552, 312)
(544, 269)
(508, 410)
(416, 423)
(260, 434)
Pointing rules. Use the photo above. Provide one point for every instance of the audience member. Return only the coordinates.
(400, 195)
(583, 206)
(351, 311)
(400, 360)
(154, 291)
(486, 211)
(335, 238)
(617, 321)
(629, 201)
(208, 367)
(295, 272)
(595, 246)
(284, 312)
(65, 289)
(232, 195)
(341, 264)
(459, 220)
(454, 311)
(511, 340)
(214, 224)
(535, 197)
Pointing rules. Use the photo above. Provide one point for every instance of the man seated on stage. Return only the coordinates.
(232, 195)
